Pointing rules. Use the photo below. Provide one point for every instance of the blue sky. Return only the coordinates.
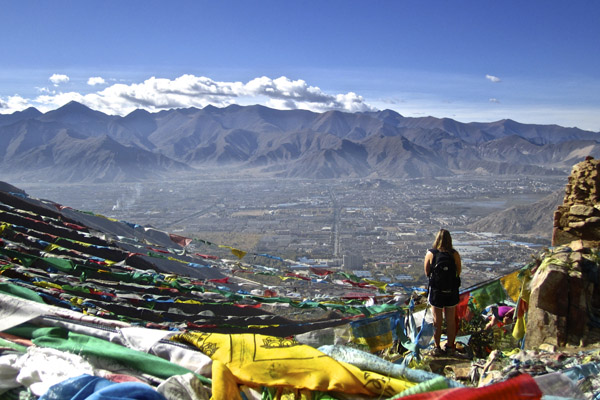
(534, 62)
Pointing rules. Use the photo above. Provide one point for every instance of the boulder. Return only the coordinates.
(561, 290)
(547, 316)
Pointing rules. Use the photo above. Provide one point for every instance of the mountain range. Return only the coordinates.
(77, 144)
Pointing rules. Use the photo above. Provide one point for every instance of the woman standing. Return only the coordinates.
(442, 268)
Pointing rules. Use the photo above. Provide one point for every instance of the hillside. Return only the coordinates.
(532, 219)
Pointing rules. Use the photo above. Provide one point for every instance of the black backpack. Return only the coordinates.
(442, 277)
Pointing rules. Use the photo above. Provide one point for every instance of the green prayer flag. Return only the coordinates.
(61, 339)
(25, 259)
(8, 344)
(491, 293)
(60, 264)
(18, 291)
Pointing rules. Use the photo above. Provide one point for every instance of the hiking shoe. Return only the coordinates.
(450, 351)
(437, 352)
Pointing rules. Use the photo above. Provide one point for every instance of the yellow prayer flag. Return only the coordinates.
(188, 301)
(47, 285)
(263, 326)
(51, 247)
(512, 285)
(285, 278)
(224, 383)
(376, 343)
(238, 253)
(259, 360)
(377, 284)
(178, 260)
(520, 328)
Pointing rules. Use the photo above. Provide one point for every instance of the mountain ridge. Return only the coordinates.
(290, 143)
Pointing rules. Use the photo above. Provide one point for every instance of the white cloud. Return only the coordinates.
(187, 90)
(156, 94)
(494, 100)
(45, 90)
(12, 104)
(493, 78)
(96, 80)
(57, 79)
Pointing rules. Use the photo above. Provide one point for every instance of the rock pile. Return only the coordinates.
(565, 290)
(579, 215)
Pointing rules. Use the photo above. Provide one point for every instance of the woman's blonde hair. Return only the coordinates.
(443, 241)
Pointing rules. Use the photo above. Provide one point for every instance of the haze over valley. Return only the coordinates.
(387, 224)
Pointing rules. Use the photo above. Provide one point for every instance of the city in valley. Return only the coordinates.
(374, 228)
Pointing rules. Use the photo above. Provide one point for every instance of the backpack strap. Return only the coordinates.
(435, 253)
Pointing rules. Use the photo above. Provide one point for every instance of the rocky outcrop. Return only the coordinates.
(565, 287)
(561, 290)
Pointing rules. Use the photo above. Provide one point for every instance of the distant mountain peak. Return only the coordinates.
(75, 111)
(30, 112)
(138, 112)
(73, 105)
(210, 107)
(387, 112)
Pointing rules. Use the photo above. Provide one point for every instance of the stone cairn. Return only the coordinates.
(578, 218)
(565, 288)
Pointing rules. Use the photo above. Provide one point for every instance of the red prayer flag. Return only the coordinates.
(207, 256)
(158, 250)
(462, 308)
(75, 226)
(223, 280)
(180, 240)
(520, 387)
(247, 305)
(320, 272)
(297, 276)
